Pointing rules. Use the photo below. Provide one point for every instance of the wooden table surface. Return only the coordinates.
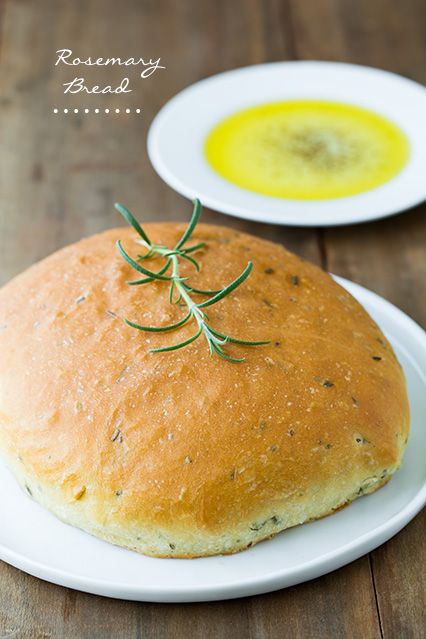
(59, 177)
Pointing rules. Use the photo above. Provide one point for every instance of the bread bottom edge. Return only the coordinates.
(152, 542)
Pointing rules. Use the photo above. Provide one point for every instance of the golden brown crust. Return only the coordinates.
(181, 454)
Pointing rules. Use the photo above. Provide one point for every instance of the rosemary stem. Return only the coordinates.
(193, 308)
(196, 313)
(215, 340)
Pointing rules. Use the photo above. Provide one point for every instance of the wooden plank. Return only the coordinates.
(387, 256)
(340, 604)
(34, 609)
(398, 568)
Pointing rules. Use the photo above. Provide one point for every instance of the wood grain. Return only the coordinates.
(59, 177)
(389, 257)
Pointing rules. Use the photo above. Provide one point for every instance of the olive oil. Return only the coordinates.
(307, 149)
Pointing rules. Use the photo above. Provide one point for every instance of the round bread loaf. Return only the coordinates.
(181, 454)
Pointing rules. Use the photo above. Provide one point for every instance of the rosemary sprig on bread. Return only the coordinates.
(180, 292)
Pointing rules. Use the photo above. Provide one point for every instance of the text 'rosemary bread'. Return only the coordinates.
(183, 453)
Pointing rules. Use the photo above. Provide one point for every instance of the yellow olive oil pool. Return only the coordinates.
(307, 149)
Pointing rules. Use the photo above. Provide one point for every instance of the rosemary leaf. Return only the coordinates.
(237, 341)
(192, 224)
(146, 255)
(222, 354)
(171, 289)
(228, 289)
(145, 280)
(190, 259)
(196, 247)
(191, 289)
(132, 221)
(138, 267)
(174, 347)
(159, 329)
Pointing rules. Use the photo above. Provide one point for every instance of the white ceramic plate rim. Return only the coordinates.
(175, 141)
(281, 578)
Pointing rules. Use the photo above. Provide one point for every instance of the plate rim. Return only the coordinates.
(169, 177)
(321, 565)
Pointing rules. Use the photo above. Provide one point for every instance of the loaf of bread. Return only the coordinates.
(181, 454)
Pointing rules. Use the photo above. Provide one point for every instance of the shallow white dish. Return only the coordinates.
(178, 132)
(36, 542)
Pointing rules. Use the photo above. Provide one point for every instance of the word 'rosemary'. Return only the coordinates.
(179, 287)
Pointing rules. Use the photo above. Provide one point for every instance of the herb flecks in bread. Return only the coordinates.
(180, 292)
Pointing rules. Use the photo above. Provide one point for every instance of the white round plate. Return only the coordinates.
(36, 542)
(178, 133)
